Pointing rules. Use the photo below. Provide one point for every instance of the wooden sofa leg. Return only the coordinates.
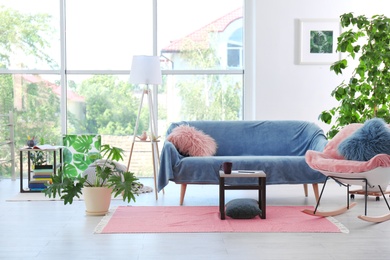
(305, 189)
(316, 193)
(182, 193)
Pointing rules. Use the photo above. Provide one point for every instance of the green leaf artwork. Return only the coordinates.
(79, 152)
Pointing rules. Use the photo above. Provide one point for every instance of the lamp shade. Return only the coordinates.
(145, 70)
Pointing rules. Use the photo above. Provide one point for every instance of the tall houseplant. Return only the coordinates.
(108, 180)
(366, 94)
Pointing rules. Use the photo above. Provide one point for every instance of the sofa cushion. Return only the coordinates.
(371, 139)
(331, 147)
(242, 208)
(190, 141)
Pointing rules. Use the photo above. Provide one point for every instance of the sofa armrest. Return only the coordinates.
(169, 158)
(318, 142)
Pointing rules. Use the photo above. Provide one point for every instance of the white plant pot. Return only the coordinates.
(97, 200)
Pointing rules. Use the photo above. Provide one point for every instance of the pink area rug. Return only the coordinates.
(205, 219)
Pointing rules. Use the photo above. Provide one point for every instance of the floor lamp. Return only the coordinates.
(146, 70)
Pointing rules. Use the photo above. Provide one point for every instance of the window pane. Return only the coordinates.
(108, 105)
(104, 104)
(5, 145)
(30, 34)
(197, 36)
(200, 97)
(35, 101)
(104, 35)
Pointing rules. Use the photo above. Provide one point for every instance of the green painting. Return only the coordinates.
(321, 41)
(79, 152)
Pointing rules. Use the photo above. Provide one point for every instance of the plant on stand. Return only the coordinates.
(367, 92)
(37, 158)
(107, 180)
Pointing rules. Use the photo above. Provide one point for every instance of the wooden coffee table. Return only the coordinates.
(260, 186)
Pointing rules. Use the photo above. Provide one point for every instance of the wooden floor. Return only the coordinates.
(50, 230)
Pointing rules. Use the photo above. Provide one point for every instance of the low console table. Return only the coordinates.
(55, 151)
(243, 174)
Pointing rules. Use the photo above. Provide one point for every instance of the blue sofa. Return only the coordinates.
(276, 147)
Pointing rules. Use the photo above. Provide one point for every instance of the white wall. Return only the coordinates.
(283, 88)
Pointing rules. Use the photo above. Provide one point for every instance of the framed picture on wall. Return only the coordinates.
(318, 41)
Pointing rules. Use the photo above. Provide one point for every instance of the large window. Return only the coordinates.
(64, 65)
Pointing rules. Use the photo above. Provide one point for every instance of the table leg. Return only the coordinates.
(21, 171)
(222, 197)
(61, 160)
(28, 169)
(262, 198)
(54, 162)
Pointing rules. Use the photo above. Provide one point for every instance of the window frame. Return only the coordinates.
(246, 71)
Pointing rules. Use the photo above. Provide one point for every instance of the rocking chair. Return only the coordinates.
(373, 175)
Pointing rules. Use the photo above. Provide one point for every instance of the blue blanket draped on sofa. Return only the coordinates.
(276, 147)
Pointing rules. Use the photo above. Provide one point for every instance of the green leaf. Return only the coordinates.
(65, 187)
(126, 187)
(70, 170)
(83, 143)
(67, 155)
(350, 48)
(112, 153)
(326, 117)
(68, 140)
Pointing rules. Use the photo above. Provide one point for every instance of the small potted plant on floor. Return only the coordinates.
(107, 179)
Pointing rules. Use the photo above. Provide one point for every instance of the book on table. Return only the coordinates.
(46, 179)
(247, 171)
(35, 181)
(45, 172)
(47, 147)
(43, 167)
(39, 177)
(37, 184)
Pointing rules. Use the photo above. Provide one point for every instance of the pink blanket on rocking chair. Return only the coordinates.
(331, 161)
(321, 161)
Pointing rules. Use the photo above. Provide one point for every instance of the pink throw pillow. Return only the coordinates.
(190, 141)
(331, 147)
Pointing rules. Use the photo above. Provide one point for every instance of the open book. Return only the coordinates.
(46, 147)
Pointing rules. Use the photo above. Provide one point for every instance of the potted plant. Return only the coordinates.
(366, 94)
(97, 189)
(37, 158)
